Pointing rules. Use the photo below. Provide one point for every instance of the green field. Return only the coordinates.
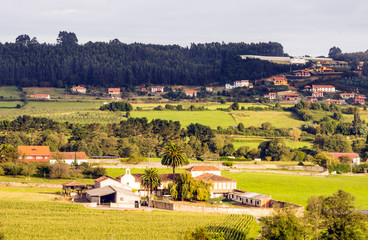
(7, 104)
(253, 142)
(297, 189)
(277, 119)
(9, 92)
(209, 118)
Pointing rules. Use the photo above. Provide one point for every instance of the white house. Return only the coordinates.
(250, 198)
(221, 185)
(199, 170)
(209, 89)
(191, 93)
(323, 88)
(113, 90)
(79, 89)
(157, 89)
(41, 96)
(108, 181)
(241, 83)
(69, 157)
(130, 180)
(354, 156)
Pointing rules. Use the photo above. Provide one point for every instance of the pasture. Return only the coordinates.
(297, 189)
(9, 92)
(253, 141)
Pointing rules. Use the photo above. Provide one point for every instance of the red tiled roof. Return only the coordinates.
(322, 86)
(337, 155)
(213, 177)
(190, 91)
(34, 150)
(169, 177)
(114, 89)
(73, 183)
(78, 87)
(203, 168)
(70, 155)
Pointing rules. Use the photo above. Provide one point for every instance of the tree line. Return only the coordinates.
(115, 64)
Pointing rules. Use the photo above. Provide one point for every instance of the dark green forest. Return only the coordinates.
(26, 62)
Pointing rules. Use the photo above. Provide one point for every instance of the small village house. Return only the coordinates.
(209, 89)
(34, 153)
(354, 156)
(69, 157)
(270, 96)
(302, 73)
(79, 89)
(347, 95)
(291, 97)
(196, 171)
(318, 94)
(157, 89)
(250, 198)
(359, 100)
(41, 96)
(279, 80)
(323, 88)
(113, 91)
(191, 93)
(238, 84)
(337, 102)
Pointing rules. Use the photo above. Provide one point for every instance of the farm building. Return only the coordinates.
(271, 96)
(191, 93)
(113, 90)
(278, 80)
(347, 95)
(250, 198)
(157, 89)
(354, 156)
(69, 157)
(221, 185)
(114, 197)
(359, 100)
(34, 153)
(41, 96)
(79, 89)
(323, 88)
(209, 89)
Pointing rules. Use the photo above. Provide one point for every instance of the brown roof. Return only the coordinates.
(73, 183)
(71, 155)
(322, 86)
(114, 89)
(34, 150)
(203, 168)
(214, 178)
(103, 178)
(169, 177)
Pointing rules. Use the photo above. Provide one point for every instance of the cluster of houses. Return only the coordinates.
(43, 154)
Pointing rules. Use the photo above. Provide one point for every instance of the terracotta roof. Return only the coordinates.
(73, 183)
(103, 178)
(214, 178)
(34, 150)
(114, 89)
(169, 177)
(190, 91)
(157, 87)
(70, 155)
(203, 168)
(78, 87)
(322, 86)
(337, 155)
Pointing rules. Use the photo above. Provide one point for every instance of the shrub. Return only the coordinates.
(60, 170)
(2, 173)
(228, 163)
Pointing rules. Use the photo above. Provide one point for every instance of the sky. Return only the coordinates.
(303, 27)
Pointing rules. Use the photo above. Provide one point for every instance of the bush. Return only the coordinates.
(300, 164)
(60, 170)
(228, 163)
(117, 106)
(2, 173)
(339, 168)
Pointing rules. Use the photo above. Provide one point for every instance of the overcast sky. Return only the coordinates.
(303, 27)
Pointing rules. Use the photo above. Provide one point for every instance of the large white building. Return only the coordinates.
(323, 88)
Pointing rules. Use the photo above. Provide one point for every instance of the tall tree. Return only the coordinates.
(67, 38)
(150, 180)
(334, 52)
(174, 156)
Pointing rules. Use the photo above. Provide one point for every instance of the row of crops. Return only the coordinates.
(235, 226)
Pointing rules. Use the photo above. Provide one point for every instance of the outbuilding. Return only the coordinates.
(114, 197)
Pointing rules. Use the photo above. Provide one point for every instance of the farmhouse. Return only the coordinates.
(278, 80)
(79, 89)
(271, 96)
(157, 89)
(250, 198)
(323, 88)
(239, 83)
(196, 171)
(318, 94)
(113, 90)
(69, 157)
(191, 93)
(354, 156)
(209, 89)
(359, 100)
(302, 73)
(347, 95)
(221, 185)
(34, 153)
(337, 102)
(290, 97)
(40, 96)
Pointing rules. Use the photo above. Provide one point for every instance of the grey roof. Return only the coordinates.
(250, 195)
(109, 190)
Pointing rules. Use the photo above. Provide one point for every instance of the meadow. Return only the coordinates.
(298, 189)
(253, 141)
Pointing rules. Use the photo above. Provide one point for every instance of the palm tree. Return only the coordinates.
(174, 156)
(150, 179)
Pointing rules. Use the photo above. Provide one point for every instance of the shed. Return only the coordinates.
(113, 196)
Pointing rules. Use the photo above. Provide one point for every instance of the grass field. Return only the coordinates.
(12, 104)
(9, 92)
(297, 189)
(253, 142)
(209, 118)
(256, 118)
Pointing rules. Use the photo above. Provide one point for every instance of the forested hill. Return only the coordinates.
(29, 63)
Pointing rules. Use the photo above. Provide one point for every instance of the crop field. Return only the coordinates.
(55, 220)
(253, 142)
(297, 189)
(277, 119)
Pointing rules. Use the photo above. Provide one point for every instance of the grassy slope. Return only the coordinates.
(254, 141)
(298, 189)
